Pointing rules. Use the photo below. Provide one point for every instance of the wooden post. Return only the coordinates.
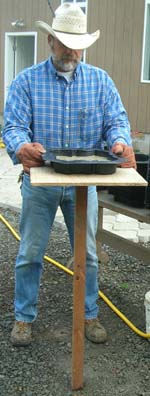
(79, 288)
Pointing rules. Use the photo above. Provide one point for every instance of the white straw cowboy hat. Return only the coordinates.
(70, 27)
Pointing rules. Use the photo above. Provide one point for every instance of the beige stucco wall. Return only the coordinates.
(119, 49)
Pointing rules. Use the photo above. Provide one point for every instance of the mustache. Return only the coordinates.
(68, 57)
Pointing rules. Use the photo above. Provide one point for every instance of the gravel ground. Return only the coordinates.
(119, 368)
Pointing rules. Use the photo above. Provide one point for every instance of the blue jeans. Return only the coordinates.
(39, 206)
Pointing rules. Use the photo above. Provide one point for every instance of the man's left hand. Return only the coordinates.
(126, 152)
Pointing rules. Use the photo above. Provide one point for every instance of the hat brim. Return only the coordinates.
(70, 40)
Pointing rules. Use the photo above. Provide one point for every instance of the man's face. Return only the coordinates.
(64, 59)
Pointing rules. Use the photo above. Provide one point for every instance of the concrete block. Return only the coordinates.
(109, 219)
(109, 212)
(108, 226)
(144, 236)
(144, 226)
(122, 218)
(125, 226)
(130, 235)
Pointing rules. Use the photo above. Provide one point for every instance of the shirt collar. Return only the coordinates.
(54, 71)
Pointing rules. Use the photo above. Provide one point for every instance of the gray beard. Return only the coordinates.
(62, 66)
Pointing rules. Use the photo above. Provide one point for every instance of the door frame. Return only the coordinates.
(13, 34)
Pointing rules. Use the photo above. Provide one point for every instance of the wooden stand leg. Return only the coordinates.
(79, 288)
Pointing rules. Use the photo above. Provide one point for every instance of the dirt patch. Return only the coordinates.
(118, 368)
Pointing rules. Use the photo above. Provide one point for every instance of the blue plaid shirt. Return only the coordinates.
(46, 108)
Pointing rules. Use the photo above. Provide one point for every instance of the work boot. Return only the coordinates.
(94, 331)
(21, 334)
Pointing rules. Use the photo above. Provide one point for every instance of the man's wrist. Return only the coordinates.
(19, 147)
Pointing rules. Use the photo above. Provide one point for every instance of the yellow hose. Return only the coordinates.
(14, 233)
(2, 145)
(102, 295)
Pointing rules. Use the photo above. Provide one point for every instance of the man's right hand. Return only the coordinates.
(30, 155)
(127, 152)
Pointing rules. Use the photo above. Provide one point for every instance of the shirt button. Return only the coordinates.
(67, 126)
(66, 145)
(67, 107)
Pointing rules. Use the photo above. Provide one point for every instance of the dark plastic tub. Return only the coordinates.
(138, 197)
(107, 165)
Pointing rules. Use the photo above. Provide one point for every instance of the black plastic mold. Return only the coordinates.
(77, 166)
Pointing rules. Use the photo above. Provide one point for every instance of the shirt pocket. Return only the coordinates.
(90, 124)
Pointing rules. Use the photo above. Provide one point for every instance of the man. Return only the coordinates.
(60, 103)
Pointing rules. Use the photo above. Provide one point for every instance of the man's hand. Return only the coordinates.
(30, 155)
(126, 152)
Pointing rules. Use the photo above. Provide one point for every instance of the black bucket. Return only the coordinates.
(138, 197)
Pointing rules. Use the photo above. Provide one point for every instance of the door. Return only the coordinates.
(20, 52)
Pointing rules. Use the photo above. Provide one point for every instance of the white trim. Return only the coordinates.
(80, 3)
(147, 2)
(145, 81)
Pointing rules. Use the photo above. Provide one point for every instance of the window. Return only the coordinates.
(81, 3)
(145, 74)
